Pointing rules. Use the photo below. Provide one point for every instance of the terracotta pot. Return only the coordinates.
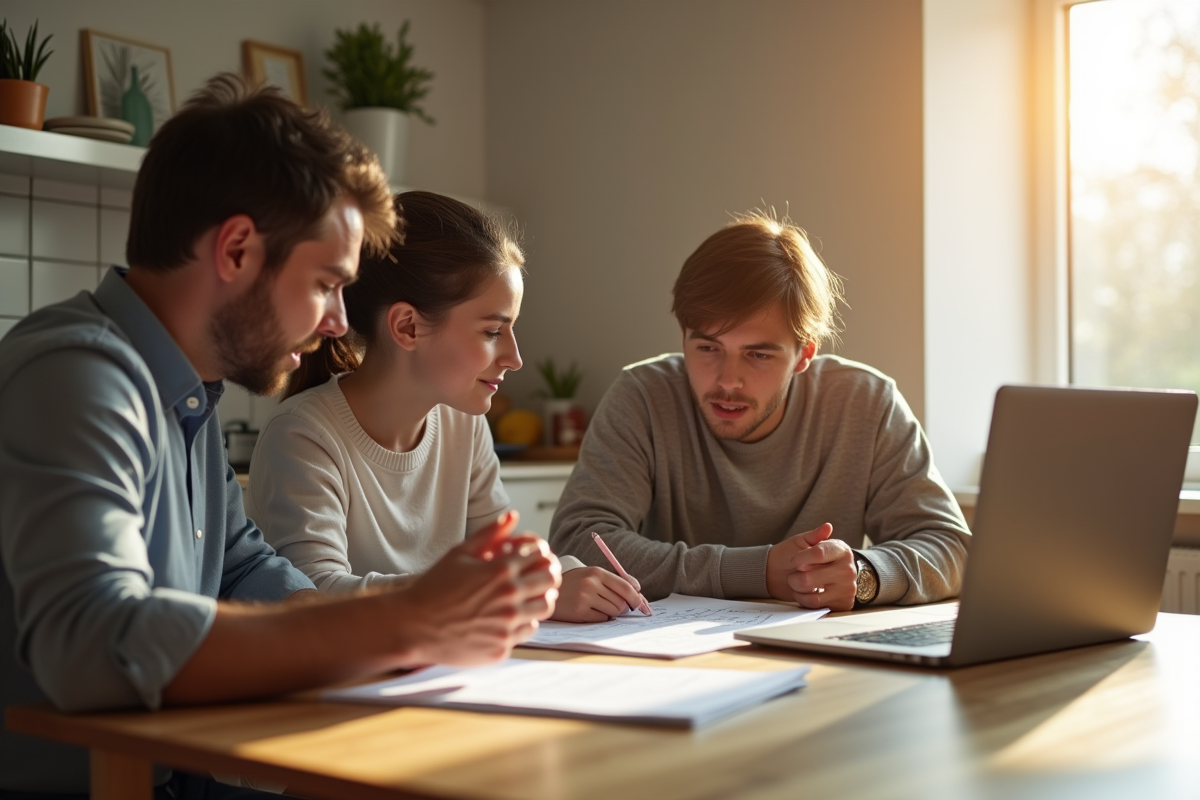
(23, 103)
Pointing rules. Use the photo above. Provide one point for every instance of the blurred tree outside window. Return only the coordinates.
(1134, 162)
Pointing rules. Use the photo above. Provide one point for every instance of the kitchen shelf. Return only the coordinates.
(57, 156)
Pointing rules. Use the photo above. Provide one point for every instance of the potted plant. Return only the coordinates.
(377, 89)
(22, 99)
(565, 421)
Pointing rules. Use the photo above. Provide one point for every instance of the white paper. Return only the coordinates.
(681, 626)
(669, 696)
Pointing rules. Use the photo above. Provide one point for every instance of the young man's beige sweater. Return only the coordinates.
(687, 512)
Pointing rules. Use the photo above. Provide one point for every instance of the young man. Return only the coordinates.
(131, 576)
(749, 466)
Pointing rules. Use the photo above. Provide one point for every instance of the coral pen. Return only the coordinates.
(644, 607)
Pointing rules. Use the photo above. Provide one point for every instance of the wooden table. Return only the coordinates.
(1117, 720)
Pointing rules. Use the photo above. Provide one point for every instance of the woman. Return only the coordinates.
(379, 459)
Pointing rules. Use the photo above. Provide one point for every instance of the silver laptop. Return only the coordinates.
(1076, 512)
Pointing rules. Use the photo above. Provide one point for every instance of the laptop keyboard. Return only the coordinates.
(922, 635)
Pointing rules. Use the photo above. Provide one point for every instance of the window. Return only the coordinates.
(1134, 183)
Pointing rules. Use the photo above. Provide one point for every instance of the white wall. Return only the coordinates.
(978, 241)
(205, 37)
(622, 134)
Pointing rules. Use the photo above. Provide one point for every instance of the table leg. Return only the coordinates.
(116, 776)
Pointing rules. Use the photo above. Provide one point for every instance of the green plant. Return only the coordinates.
(368, 72)
(562, 384)
(18, 64)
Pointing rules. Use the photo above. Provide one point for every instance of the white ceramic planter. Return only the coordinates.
(385, 132)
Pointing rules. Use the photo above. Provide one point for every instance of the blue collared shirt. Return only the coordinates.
(121, 521)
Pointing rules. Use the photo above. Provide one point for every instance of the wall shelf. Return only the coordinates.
(57, 156)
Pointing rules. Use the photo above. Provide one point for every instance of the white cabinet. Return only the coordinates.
(534, 490)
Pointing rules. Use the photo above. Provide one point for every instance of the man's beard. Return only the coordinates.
(250, 346)
(733, 397)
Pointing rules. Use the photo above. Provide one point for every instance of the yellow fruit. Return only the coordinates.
(519, 426)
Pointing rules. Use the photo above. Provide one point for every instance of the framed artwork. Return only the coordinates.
(128, 80)
(277, 66)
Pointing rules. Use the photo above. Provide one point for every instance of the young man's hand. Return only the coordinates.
(593, 594)
(813, 570)
(482, 599)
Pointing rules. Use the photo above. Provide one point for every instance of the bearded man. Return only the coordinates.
(131, 575)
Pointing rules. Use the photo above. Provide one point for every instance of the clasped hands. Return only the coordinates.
(813, 570)
(484, 597)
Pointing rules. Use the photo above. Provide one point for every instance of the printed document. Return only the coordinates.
(681, 626)
(615, 693)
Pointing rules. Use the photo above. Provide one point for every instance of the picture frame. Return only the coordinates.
(276, 66)
(109, 64)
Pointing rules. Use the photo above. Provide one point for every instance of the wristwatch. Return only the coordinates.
(866, 586)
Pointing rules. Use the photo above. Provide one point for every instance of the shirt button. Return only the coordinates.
(193, 403)
(199, 533)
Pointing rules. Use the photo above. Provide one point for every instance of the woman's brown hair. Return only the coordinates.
(444, 254)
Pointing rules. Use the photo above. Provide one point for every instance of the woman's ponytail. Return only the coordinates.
(333, 357)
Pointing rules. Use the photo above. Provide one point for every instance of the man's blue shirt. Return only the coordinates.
(120, 519)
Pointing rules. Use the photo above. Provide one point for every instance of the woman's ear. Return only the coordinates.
(402, 322)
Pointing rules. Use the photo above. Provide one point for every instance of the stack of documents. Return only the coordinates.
(681, 626)
(614, 693)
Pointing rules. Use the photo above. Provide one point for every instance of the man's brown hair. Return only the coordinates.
(233, 149)
(749, 264)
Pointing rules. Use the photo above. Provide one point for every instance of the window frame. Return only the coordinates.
(1052, 202)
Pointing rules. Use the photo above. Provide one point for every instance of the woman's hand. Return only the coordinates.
(593, 594)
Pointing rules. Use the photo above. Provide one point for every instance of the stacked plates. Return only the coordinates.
(109, 130)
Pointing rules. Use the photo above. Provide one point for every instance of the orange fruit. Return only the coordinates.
(519, 426)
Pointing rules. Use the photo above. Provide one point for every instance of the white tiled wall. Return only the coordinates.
(14, 223)
(55, 281)
(14, 286)
(65, 231)
(50, 242)
(114, 226)
(59, 238)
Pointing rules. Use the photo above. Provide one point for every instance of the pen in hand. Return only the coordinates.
(644, 607)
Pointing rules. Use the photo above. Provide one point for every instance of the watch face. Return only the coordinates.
(866, 585)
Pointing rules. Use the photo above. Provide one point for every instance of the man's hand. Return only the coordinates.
(813, 570)
(593, 594)
(482, 599)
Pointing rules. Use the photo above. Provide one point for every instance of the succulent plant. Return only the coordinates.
(562, 383)
(17, 63)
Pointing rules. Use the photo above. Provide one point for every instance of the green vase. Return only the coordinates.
(135, 109)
